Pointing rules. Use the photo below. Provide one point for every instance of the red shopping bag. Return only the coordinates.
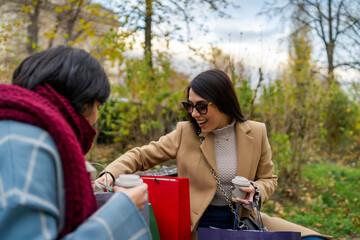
(170, 199)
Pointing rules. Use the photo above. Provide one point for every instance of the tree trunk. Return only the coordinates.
(33, 29)
(76, 7)
(56, 28)
(330, 57)
(148, 20)
(330, 45)
(252, 103)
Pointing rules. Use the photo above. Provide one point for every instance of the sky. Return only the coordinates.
(259, 41)
(255, 40)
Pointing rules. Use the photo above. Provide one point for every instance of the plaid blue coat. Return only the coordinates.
(32, 196)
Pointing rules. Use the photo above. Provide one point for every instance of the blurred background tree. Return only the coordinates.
(44, 23)
(335, 24)
(163, 18)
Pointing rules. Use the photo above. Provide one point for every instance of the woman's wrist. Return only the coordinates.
(109, 173)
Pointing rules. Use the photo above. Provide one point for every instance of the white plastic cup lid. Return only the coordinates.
(241, 181)
(128, 180)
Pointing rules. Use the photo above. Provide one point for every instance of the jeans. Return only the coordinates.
(217, 216)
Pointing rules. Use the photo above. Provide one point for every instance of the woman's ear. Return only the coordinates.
(90, 111)
(86, 110)
(83, 109)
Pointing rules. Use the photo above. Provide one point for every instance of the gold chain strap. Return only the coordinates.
(222, 190)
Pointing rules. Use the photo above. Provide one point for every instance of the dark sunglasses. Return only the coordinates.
(201, 107)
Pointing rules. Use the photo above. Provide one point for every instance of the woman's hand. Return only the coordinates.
(137, 194)
(103, 180)
(249, 196)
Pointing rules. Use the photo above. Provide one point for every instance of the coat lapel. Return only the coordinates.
(207, 148)
(245, 149)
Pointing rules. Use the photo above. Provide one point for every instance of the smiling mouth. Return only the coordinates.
(202, 123)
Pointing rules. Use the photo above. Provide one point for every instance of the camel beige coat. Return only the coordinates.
(195, 156)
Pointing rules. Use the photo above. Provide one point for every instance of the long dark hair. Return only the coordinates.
(215, 86)
(71, 72)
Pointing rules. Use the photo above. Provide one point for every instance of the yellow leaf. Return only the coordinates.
(59, 9)
(50, 35)
(26, 9)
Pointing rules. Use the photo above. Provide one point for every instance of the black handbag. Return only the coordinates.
(248, 222)
(251, 224)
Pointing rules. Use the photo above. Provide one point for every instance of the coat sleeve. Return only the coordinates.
(117, 219)
(265, 178)
(32, 199)
(147, 156)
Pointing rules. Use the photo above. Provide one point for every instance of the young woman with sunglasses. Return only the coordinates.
(216, 142)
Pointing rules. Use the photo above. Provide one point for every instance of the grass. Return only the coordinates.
(329, 202)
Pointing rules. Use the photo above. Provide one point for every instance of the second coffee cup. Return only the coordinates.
(238, 183)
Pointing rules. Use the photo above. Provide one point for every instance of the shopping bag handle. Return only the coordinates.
(260, 221)
(106, 186)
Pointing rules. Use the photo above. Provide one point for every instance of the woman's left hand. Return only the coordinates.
(249, 196)
(137, 194)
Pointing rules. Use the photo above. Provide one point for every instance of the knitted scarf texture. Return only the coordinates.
(73, 135)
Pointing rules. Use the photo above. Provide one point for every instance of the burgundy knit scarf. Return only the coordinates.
(73, 135)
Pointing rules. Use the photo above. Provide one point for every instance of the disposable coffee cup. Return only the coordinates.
(239, 182)
(129, 181)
